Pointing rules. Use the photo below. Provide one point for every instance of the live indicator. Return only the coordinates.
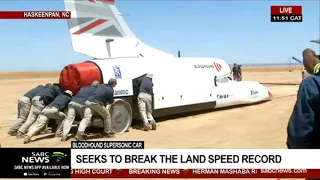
(286, 10)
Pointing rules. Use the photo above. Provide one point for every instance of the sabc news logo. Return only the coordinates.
(43, 157)
(58, 156)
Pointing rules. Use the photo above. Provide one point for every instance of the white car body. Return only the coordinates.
(181, 85)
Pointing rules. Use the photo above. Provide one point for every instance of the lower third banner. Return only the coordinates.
(35, 163)
(195, 173)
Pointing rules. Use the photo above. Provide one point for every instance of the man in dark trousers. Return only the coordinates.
(76, 106)
(97, 102)
(235, 72)
(40, 100)
(240, 72)
(24, 106)
(55, 110)
(145, 102)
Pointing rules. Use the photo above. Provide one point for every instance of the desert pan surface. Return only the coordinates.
(261, 126)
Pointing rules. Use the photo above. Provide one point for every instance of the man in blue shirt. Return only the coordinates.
(24, 106)
(304, 124)
(55, 110)
(76, 106)
(97, 102)
(39, 101)
(145, 102)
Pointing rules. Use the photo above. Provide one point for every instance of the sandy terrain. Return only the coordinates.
(256, 126)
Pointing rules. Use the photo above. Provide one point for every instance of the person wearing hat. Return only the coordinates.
(39, 101)
(303, 130)
(145, 102)
(76, 106)
(55, 110)
(311, 60)
(24, 106)
(97, 102)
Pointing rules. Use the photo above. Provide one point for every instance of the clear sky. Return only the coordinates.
(237, 31)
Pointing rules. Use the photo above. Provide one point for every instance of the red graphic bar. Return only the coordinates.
(286, 10)
(195, 173)
(90, 26)
(35, 15)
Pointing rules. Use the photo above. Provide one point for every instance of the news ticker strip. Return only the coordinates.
(104, 161)
(176, 173)
(286, 14)
(35, 15)
(195, 173)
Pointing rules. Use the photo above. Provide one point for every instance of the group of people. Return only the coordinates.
(50, 102)
(237, 72)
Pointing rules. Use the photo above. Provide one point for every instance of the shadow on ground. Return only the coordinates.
(95, 132)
